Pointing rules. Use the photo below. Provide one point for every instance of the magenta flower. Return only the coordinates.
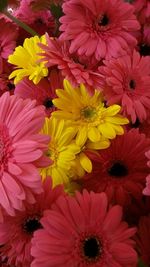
(103, 29)
(121, 169)
(127, 83)
(8, 36)
(82, 231)
(77, 69)
(17, 231)
(41, 92)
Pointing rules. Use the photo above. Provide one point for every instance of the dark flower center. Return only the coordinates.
(144, 50)
(118, 169)
(104, 20)
(132, 84)
(39, 21)
(92, 248)
(31, 225)
(11, 86)
(136, 124)
(48, 103)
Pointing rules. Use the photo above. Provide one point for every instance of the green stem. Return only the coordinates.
(20, 23)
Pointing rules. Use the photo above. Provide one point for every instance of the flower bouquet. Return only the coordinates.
(74, 133)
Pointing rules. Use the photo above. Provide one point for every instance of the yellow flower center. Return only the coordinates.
(88, 113)
(92, 116)
(52, 153)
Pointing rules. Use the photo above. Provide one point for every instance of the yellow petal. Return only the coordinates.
(112, 110)
(94, 134)
(85, 162)
(117, 120)
(81, 136)
(98, 145)
(107, 131)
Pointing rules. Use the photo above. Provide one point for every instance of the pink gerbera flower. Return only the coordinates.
(8, 37)
(21, 151)
(142, 11)
(99, 28)
(146, 190)
(81, 231)
(41, 21)
(4, 262)
(75, 68)
(127, 83)
(17, 231)
(121, 169)
(43, 92)
(143, 239)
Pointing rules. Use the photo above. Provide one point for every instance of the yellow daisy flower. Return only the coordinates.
(62, 150)
(88, 114)
(27, 63)
(82, 162)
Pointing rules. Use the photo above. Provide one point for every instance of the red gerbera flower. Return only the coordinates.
(121, 169)
(127, 83)
(81, 231)
(143, 239)
(43, 92)
(17, 231)
(142, 11)
(99, 28)
(137, 208)
(76, 69)
(143, 126)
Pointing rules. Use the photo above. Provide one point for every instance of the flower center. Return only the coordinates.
(32, 224)
(136, 124)
(39, 21)
(118, 169)
(53, 152)
(48, 103)
(104, 20)
(92, 249)
(144, 50)
(132, 84)
(10, 86)
(5, 147)
(88, 113)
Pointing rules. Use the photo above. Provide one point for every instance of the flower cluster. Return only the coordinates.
(75, 133)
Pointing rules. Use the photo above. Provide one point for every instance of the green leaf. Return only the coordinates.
(56, 11)
(141, 264)
(3, 5)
